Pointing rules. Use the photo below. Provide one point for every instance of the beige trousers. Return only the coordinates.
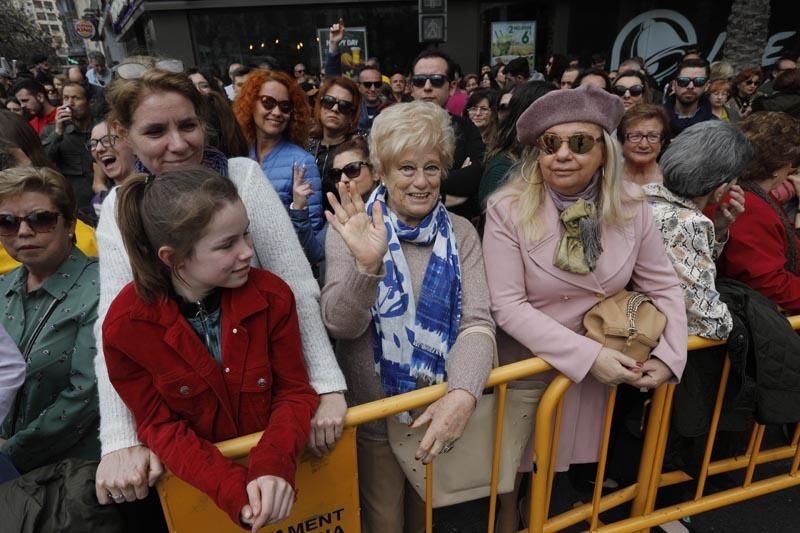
(389, 504)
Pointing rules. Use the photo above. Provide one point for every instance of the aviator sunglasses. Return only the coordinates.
(698, 81)
(579, 143)
(39, 222)
(635, 90)
(269, 103)
(351, 170)
(437, 80)
(345, 107)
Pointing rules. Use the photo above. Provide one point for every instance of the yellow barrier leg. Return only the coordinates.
(543, 441)
(498, 443)
(647, 462)
(796, 444)
(661, 450)
(751, 465)
(601, 466)
(551, 472)
(712, 432)
(429, 497)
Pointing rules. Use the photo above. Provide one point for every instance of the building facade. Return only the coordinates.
(46, 15)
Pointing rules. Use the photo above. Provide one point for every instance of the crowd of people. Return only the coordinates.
(186, 261)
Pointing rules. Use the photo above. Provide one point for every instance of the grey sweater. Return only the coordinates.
(348, 295)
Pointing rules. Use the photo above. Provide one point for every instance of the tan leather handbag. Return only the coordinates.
(627, 322)
(464, 474)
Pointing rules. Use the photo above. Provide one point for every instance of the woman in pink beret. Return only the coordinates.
(564, 233)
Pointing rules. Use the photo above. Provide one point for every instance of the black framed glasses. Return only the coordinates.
(636, 137)
(371, 84)
(697, 81)
(344, 107)
(269, 103)
(39, 222)
(437, 80)
(635, 90)
(352, 170)
(578, 143)
(107, 141)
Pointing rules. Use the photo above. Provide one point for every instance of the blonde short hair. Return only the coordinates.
(18, 180)
(401, 128)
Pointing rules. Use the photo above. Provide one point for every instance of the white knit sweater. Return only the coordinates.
(277, 250)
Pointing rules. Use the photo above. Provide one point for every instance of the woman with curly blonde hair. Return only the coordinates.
(274, 115)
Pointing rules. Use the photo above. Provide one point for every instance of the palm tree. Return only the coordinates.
(747, 33)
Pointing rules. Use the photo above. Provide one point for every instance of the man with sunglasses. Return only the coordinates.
(65, 142)
(369, 85)
(433, 81)
(689, 104)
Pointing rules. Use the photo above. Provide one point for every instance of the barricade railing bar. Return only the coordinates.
(650, 478)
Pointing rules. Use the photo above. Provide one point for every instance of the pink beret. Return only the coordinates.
(584, 104)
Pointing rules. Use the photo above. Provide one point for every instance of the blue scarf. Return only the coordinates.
(213, 159)
(412, 340)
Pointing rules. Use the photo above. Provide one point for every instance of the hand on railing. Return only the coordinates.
(612, 368)
(326, 426)
(126, 475)
(448, 416)
(271, 499)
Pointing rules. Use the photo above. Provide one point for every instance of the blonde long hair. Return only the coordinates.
(526, 186)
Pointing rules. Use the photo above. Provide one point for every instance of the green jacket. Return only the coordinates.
(55, 414)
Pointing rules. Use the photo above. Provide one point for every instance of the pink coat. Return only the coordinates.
(542, 307)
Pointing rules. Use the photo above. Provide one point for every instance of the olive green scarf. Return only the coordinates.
(579, 247)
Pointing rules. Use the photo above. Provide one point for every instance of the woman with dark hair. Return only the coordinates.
(488, 81)
(506, 149)
(762, 248)
(274, 115)
(498, 75)
(632, 88)
(745, 85)
(16, 131)
(482, 111)
(223, 131)
(555, 67)
(337, 113)
(205, 81)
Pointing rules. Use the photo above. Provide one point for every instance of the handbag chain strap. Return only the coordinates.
(630, 311)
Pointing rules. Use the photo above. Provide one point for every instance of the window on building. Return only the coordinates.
(37, 3)
(55, 28)
(51, 16)
(41, 16)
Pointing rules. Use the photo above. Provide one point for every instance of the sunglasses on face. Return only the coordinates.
(344, 107)
(751, 82)
(269, 103)
(635, 90)
(40, 222)
(352, 170)
(579, 143)
(106, 140)
(371, 84)
(437, 80)
(684, 81)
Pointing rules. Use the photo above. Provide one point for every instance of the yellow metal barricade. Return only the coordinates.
(328, 487)
(650, 478)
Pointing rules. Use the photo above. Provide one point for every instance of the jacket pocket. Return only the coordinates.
(188, 395)
(255, 399)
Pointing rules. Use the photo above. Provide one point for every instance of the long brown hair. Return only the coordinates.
(348, 85)
(243, 106)
(172, 210)
(16, 131)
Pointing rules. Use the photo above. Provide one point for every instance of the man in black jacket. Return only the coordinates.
(433, 81)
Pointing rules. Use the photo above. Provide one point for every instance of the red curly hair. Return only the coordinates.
(245, 104)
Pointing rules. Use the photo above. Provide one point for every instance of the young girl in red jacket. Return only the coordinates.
(202, 347)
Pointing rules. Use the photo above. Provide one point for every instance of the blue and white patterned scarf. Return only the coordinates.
(411, 340)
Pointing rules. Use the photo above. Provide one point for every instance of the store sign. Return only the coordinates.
(662, 36)
(353, 47)
(84, 28)
(513, 39)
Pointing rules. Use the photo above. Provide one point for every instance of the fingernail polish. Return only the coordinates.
(639, 364)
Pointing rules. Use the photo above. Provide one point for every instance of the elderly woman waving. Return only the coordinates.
(404, 278)
(562, 235)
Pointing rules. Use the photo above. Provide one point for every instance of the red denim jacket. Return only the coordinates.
(183, 401)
